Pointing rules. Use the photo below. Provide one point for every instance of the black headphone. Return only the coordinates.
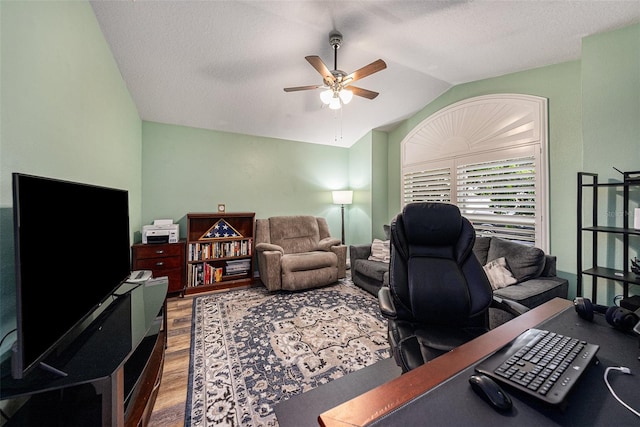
(618, 317)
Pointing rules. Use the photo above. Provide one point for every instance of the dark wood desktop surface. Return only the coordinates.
(387, 397)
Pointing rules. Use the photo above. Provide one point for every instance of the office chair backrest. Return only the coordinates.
(435, 277)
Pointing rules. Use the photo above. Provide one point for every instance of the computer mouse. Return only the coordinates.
(490, 391)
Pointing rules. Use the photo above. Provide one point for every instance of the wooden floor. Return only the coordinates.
(168, 411)
(172, 396)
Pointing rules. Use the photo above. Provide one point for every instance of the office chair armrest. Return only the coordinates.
(385, 302)
(512, 307)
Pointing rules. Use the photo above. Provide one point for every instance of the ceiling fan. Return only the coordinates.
(338, 83)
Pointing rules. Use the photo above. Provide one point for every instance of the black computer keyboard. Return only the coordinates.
(540, 363)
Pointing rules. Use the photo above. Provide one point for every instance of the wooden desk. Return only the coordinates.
(390, 396)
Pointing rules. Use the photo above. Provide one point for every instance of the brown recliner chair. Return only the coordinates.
(298, 252)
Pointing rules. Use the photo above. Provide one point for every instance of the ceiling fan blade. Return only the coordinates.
(294, 89)
(369, 94)
(317, 63)
(367, 70)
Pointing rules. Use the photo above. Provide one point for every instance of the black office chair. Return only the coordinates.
(439, 295)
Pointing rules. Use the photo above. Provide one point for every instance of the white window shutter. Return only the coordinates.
(488, 156)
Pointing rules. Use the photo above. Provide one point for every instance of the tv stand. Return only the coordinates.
(50, 368)
(113, 368)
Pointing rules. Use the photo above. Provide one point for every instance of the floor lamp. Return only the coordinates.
(342, 198)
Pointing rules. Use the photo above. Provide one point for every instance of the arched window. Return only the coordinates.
(488, 156)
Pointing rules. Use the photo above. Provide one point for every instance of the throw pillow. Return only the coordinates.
(525, 262)
(499, 274)
(380, 251)
(481, 248)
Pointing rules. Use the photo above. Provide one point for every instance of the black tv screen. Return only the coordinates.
(72, 251)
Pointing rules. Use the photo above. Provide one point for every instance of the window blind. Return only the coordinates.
(499, 197)
(427, 185)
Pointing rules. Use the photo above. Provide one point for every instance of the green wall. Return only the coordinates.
(379, 184)
(611, 134)
(368, 179)
(360, 181)
(192, 170)
(611, 102)
(66, 113)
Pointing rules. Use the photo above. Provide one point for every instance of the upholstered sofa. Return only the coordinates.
(298, 252)
(369, 274)
(534, 272)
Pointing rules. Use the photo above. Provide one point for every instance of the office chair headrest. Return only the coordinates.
(432, 224)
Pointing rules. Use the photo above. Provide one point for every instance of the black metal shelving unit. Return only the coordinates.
(586, 180)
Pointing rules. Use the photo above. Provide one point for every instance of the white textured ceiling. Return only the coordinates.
(223, 65)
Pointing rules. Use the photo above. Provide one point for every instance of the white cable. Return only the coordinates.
(606, 381)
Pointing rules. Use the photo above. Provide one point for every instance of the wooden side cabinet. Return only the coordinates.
(163, 259)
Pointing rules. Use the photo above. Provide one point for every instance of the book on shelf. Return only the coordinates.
(200, 251)
(207, 274)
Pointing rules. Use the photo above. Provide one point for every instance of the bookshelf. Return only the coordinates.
(219, 252)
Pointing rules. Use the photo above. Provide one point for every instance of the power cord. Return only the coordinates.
(616, 299)
(626, 371)
(6, 335)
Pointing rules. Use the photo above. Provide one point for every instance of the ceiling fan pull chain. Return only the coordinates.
(341, 125)
(337, 116)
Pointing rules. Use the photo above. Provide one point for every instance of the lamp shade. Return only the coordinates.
(346, 95)
(326, 95)
(335, 104)
(344, 197)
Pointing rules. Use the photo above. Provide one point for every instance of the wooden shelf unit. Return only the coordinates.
(231, 256)
(622, 229)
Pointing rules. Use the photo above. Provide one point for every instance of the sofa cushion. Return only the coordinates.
(499, 274)
(295, 234)
(372, 269)
(380, 251)
(526, 262)
(387, 231)
(535, 291)
(481, 249)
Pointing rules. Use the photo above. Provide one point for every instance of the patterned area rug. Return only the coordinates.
(252, 349)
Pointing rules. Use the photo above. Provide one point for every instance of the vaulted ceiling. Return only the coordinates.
(222, 65)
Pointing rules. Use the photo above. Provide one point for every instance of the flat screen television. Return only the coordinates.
(72, 251)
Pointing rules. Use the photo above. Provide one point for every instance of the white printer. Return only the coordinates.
(162, 231)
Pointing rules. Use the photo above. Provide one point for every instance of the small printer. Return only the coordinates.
(162, 231)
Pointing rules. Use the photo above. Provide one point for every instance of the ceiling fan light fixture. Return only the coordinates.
(345, 96)
(326, 96)
(335, 82)
(335, 103)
